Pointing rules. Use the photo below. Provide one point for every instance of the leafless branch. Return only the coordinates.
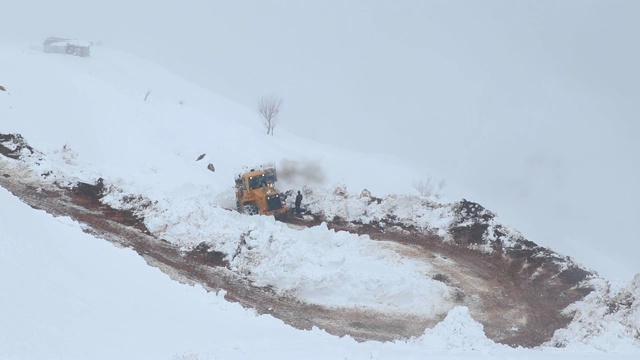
(428, 188)
(269, 107)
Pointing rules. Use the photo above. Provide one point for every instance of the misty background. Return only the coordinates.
(528, 107)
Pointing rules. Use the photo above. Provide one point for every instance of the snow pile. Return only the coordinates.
(398, 211)
(318, 264)
(605, 320)
(458, 331)
(68, 295)
(363, 207)
(314, 264)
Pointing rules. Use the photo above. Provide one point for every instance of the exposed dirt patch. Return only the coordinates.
(204, 254)
(12, 145)
(517, 293)
(208, 268)
(89, 195)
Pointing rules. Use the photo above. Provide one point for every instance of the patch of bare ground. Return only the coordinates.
(518, 294)
(206, 267)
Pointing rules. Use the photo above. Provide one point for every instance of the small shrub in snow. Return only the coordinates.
(428, 187)
(441, 277)
(459, 295)
(67, 155)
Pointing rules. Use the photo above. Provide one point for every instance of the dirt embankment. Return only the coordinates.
(517, 294)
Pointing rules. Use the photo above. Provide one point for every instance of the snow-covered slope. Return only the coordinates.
(140, 128)
(96, 107)
(95, 128)
(67, 295)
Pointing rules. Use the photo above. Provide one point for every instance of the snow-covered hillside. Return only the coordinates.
(67, 295)
(122, 119)
(95, 108)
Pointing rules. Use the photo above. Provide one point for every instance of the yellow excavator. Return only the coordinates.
(256, 192)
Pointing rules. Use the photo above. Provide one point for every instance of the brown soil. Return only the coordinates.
(518, 298)
(517, 294)
(208, 268)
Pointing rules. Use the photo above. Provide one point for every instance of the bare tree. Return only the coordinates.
(428, 188)
(269, 107)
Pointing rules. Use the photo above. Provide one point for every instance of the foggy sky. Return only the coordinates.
(528, 107)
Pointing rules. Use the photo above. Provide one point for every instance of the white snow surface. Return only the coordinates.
(69, 295)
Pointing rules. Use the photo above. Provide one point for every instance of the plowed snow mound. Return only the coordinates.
(414, 260)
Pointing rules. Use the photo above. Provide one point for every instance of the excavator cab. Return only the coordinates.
(256, 182)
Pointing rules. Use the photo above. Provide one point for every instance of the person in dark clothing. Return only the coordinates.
(298, 202)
